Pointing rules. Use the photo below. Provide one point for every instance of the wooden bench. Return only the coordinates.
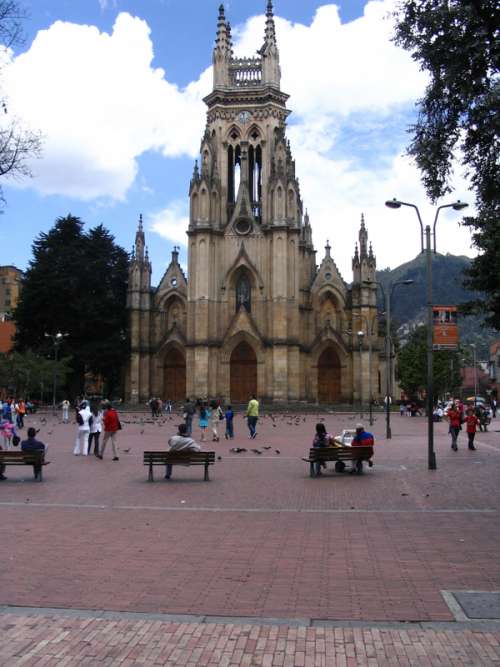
(10, 458)
(178, 459)
(325, 454)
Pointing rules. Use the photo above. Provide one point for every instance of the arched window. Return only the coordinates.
(244, 293)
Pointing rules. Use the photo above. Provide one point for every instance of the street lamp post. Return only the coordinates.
(457, 206)
(474, 361)
(360, 335)
(387, 293)
(369, 332)
(56, 339)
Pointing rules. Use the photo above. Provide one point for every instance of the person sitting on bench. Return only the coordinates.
(33, 445)
(181, 443)
(361, 439)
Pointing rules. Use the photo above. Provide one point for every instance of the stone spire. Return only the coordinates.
(139, 241)
(271, 72)
(363, 239)
(327, 249)
(222, 51)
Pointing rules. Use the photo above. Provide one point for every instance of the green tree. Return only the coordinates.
(29, 375)
(76, 284)
(456, 41)
(411, 367)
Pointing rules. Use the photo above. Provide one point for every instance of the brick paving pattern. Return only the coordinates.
(261, 539)
(51, 641)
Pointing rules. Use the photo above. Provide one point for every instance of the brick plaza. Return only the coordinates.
(260, 566)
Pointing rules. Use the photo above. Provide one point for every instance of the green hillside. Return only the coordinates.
(408, 304)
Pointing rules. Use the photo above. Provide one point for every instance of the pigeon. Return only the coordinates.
(219, 458)
(267, 447)
(256, 451)
(126, 450)
(277, 451)
(142, 431)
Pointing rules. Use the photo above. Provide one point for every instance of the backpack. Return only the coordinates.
(79, 419)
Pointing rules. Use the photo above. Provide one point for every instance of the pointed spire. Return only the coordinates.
(356, 254)
(196, 172)
(363, 238)
(271, 73)
(327, 248)
(175, 255)
(306, 218)
(222, 51)
(229, 38)
(139, 240)
(370, 254)
(270, 33)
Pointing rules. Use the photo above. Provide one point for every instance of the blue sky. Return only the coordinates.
(116, 86)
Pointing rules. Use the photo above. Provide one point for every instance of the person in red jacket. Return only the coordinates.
(112, 425)
(472, 422)
(455, 419)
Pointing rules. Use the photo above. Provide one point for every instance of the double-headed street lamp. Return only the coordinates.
(56, 339)
(387, 293)
(456, 206)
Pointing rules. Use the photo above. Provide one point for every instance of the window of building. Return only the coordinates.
(244, 293)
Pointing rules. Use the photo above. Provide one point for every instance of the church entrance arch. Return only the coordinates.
(243, 373)
(329, 373)
(175, 375)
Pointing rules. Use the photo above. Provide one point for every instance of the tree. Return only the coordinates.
(29, 375)
(411, 367)
(456, 41)
(18, 145)
(76, 283)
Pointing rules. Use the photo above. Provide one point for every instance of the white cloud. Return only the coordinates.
(171, 222)
(100, 104)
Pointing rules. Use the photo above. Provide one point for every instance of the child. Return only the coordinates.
(472, 422)
(8, 430)
(229, 416)
(321, 439)
(204, 419)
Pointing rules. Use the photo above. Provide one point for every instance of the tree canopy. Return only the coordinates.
(411, 367)
(76, 284)
(457, 42)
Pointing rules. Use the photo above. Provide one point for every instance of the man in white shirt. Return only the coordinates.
(83, 416)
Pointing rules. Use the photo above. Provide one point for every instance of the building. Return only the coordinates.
(255, 314)
(10, 288)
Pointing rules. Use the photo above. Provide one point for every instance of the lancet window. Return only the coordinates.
(244, 292)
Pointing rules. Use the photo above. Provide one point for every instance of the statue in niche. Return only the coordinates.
(243, 293)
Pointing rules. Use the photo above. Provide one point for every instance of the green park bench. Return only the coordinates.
(339, 455)
(10, 458)
(178, 459)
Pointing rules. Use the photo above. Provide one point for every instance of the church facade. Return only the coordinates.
(256, 314)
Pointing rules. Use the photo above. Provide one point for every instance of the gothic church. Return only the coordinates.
(255, 315)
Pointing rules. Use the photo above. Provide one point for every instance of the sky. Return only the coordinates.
(116, 89)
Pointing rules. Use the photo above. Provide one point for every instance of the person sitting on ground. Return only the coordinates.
(33, 445)
(362, 439)
(181, 443)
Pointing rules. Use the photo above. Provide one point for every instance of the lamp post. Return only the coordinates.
(56, 339)
(360, 335)
(369, 332)
(474, 361)
(456, 206)
(387, 293)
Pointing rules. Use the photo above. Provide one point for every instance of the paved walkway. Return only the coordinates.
(260, 540)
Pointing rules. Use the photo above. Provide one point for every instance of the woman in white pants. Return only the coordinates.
(82, 435)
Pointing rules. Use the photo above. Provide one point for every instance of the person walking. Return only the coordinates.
(83, 417)
(252, 415)
(204, 418)
(8, 430)
(471, 422)
(188, 413)
(455, 420)
(112, 425)
(217, 416)
(180, 443)
(229, 417)
(65, 411)
(20, 413)
(95, 429)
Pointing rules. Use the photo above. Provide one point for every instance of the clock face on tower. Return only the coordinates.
(244, 116)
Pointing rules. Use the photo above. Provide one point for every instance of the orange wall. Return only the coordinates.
(7, 331)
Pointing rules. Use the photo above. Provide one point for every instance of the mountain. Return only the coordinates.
(408, 303)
